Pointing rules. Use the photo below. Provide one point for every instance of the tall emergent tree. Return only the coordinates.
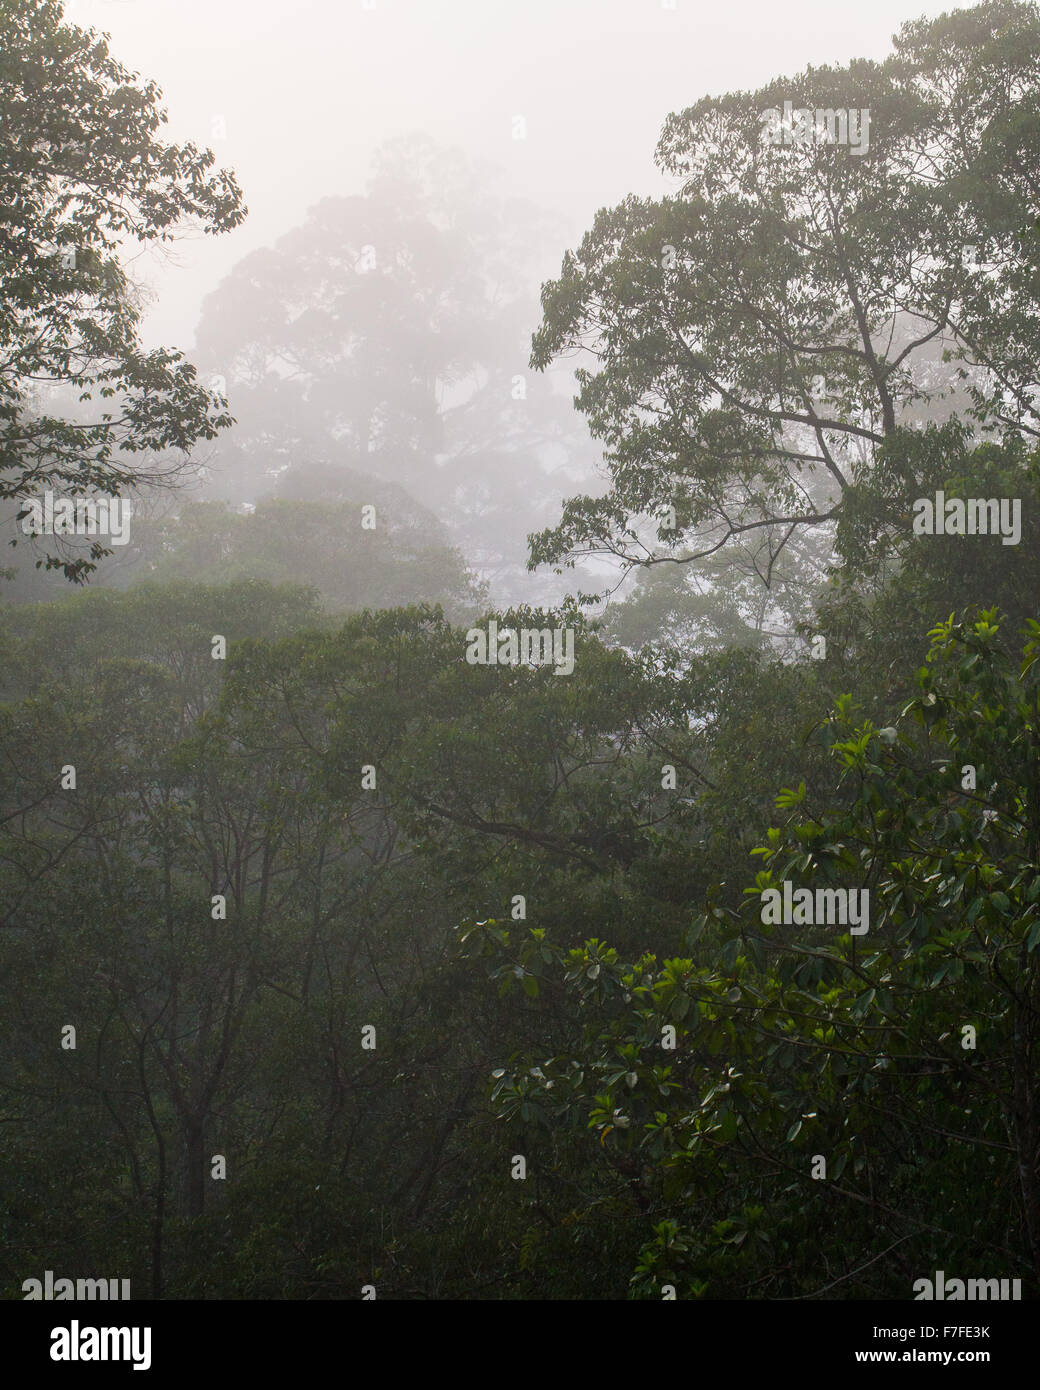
(84, 172)
(759, 336)
(387, 335)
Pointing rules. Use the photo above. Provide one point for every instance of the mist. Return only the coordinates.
(519, 687)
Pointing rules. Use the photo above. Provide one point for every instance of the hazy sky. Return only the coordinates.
(307, 89)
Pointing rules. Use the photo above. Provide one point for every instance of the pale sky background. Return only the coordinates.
(307, 89)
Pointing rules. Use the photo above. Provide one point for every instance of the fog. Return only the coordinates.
(307, 91)
(557, 105)
(519, 659)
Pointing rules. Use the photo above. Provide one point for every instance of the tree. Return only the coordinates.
(84, 172)
(759, 335)
(386, 336)
(906, 1058)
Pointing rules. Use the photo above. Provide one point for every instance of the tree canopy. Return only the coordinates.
(84, 174)
(757, 337)
(339, 955)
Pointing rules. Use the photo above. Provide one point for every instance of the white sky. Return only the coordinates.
(308, 89)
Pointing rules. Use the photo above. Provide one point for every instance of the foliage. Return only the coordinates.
(84, 170)
(796, 1044)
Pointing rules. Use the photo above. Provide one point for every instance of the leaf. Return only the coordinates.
(679, 1007)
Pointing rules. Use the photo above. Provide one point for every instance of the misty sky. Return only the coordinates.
(307, 89)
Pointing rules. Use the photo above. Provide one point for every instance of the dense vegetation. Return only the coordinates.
(345, 926)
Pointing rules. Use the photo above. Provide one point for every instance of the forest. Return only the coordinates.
(400, 821)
